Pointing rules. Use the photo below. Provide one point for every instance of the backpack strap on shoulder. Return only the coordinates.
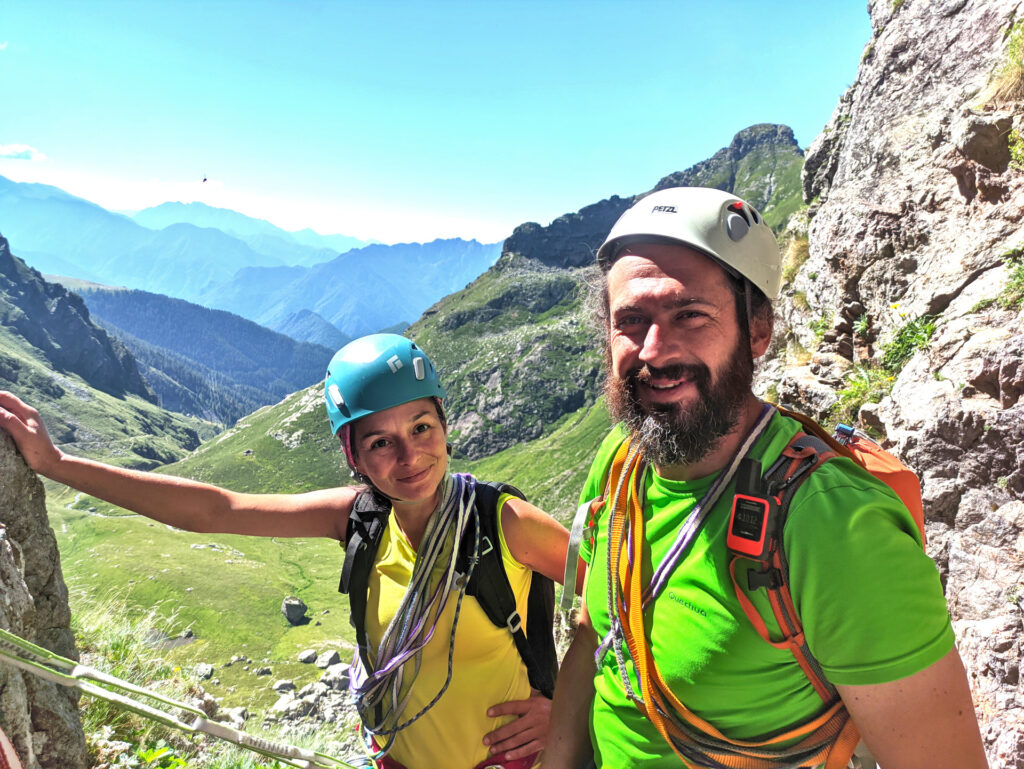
(366, 523)
(759, 513)
(490, 586)
(584, 523)
(584, 526)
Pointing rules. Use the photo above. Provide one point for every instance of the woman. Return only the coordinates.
(438, 665)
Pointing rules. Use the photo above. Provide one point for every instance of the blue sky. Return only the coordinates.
(401, 120)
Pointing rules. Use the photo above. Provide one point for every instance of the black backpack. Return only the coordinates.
(489, 584)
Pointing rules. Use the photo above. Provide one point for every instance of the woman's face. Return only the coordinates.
(403, 450)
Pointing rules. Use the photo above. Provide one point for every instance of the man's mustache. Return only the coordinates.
(647, 373)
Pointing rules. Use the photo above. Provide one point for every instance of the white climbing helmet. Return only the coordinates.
(714, 222)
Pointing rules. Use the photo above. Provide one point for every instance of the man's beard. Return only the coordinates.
(678, 434)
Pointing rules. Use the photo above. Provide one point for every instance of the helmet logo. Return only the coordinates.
(664, 210)
(394, 363)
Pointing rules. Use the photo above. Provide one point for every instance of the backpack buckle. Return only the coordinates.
(514, 622)
(769, 578)
(486, 545)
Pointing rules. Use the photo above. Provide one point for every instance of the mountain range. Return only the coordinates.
(85, 383)
(202, 362)
(251, 273)
(303, 248)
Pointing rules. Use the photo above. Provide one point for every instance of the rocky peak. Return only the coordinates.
(753, 166)
(761, 164)
(57, 323)
(571, 240)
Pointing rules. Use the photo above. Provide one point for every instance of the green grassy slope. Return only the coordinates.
(228, 589)
(515, 351)
(550, 470)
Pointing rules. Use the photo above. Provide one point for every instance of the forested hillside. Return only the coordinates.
(86, 384)
(205, 362)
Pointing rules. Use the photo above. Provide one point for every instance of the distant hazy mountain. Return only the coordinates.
(203, 362)
(307, 326)
(63, 234)
(303, 248)
(361, 291)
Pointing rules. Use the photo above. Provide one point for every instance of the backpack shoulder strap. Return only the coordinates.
(584, 524)
(365, 528)
(493, 591)
(770, 495)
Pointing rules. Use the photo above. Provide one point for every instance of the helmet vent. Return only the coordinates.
(419, 368)
(335, 394)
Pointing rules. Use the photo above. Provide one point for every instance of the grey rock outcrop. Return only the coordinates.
(918, 210)
(39, 717)
(294, 610)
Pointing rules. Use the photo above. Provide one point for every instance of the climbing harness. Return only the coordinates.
(52, 667)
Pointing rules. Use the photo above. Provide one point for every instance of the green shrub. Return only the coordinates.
(1016, 142)
(907, 340)
(1012, 295)
(821, 325)
(864, 384)
(983, 304)
(862, 325)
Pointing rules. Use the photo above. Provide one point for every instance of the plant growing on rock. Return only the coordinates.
(797, 253)
(1009, 75)
(1012, 295)
(821, 325)
(907, 340)
(1016, 143)
(864, 384)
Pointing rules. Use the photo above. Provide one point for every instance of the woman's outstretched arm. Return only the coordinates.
(179, 502)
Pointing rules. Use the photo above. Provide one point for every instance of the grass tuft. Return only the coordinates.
(864, 384)
(907, 340)
(797, 253)
(1008, 85)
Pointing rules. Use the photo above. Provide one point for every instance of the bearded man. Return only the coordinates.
(667, 667)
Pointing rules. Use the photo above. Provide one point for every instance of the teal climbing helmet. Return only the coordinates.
(374, 373)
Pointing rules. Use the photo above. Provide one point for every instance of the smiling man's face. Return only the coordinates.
(680, 367)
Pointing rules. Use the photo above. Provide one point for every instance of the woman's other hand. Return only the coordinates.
(528, 734)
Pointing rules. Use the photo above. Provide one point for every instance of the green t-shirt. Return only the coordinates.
(869, 598)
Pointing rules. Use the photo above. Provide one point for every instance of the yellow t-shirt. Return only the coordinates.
(486, 668)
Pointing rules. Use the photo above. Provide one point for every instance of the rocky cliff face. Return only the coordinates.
(917, 213)
(40, 718)
(56, 322)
